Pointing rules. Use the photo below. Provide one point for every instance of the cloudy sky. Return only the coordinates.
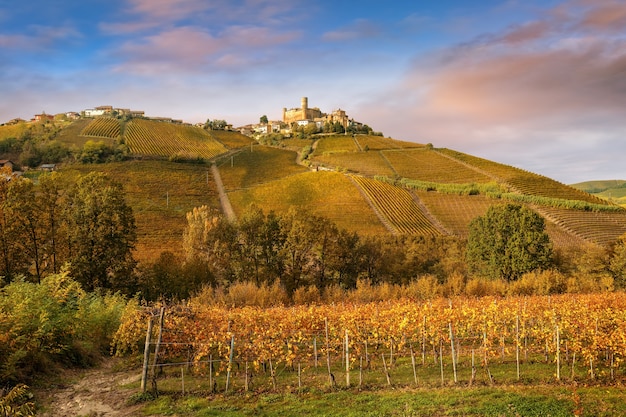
(538, 84)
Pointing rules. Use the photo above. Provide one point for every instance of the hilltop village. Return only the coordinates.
(305, 118)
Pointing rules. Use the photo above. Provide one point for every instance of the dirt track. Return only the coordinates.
(98, 392)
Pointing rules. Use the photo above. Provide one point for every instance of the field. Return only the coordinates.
(366, 163)
(232, 140)
(257, 165)
(153, 138)
(103, 127)
(428, 165)
(334, 144)
(329, 194)
(466, 345)
(398, 207)
(377, 143)
(160, 193)
(598, 227)
(455, 211)
(523, 181)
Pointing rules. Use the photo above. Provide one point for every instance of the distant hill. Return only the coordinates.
(612, 190)
(364, 183)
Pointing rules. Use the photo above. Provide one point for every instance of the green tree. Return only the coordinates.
(263, 119)
(508, 241)
(102, 233)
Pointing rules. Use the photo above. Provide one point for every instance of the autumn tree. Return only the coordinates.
(102, 233)
(508, 241)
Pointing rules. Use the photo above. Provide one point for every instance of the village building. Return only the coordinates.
(304, 115)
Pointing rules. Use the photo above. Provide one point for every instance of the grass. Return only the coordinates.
(71, 135)
(263, 164)
(536, 394)
(329, 194)
(160, 193)
(232, 140)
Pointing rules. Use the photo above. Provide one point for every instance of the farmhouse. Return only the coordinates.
(43, 117)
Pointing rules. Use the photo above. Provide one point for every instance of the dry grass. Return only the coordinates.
(257, 166)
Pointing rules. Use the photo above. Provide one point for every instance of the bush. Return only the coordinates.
(54, 322)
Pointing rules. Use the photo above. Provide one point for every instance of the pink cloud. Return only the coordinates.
(607, 15)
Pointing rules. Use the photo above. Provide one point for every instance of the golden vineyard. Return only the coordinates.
(466, 340)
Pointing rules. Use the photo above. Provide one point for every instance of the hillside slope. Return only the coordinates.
(368, 184)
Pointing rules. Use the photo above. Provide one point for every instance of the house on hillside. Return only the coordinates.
(47, 167)
(43, 117)
(72, 115)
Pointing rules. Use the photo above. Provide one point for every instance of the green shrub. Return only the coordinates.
(55, 322)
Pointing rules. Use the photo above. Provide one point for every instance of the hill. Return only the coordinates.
(364, 183)
(612, 190)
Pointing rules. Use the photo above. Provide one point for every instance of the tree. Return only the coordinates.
(508, 241)
(102, 233)
(263, 119)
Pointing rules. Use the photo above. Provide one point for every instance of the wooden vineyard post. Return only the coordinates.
(360, 371)
(331, 378)
(558, 353)
(182, 378)
(146, 356)
(424, 342)
(453, 353)
(246, 382)
(347, 360)
(157, 348)
(386, 369)
(230, 363)
(212, 388)
(441, 360)
(473, 377)
(315, 351)
(413, 364)
(517, 344)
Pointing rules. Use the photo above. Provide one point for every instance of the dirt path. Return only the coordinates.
(227, 209)
(98, 392)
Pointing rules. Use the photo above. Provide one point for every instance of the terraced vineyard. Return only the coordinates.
(366, 163)
(398, 207)
(602, 228)
(427, 165)
(103, 127)
(149, 137)
(259, 165)
(455, 211)
(523, 181)
(328, 194)
(378, 143)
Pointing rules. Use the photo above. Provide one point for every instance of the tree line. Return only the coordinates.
(85, 226)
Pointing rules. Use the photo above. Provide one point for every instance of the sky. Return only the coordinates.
(537, 84)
